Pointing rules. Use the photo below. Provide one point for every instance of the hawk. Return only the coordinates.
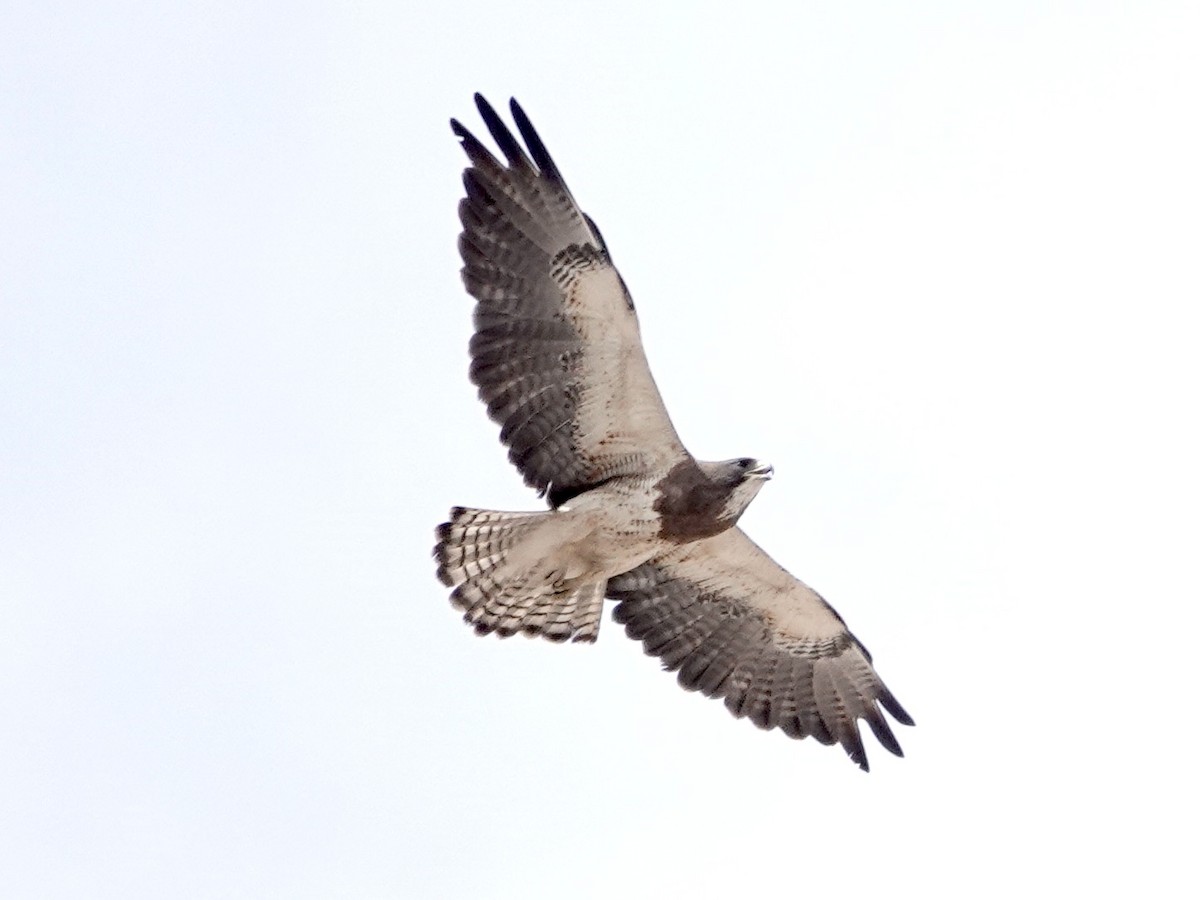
(634, 517)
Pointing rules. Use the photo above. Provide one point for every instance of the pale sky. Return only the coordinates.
(937, 265)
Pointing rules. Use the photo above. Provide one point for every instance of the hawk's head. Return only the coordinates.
(743, 478)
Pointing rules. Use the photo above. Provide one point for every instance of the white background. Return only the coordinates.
(936, 262)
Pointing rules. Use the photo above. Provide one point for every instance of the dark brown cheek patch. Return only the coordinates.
(690, 504)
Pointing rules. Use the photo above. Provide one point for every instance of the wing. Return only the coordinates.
(556, 354)
(737, 625)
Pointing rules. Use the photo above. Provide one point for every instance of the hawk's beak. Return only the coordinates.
(762, 470)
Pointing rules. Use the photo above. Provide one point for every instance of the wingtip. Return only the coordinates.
(892, 705)
(533, 140)
(857, 754)
(485, 108)
(851, 741)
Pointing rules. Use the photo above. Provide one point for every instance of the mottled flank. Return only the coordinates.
(558, 360)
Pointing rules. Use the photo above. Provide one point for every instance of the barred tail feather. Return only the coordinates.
(575, 615)
(471, 550)
(474, 542)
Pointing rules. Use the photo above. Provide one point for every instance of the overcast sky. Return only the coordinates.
(938, 265)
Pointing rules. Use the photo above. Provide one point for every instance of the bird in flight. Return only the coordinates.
(634, 517)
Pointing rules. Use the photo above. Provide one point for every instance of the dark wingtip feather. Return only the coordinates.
(851, 742)
(537, 149)
(500, 132)
(477, 193)
(883, 732)
(481, 104)
(892, 705)
(476, 152)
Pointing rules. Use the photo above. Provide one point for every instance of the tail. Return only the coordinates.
(471, 553)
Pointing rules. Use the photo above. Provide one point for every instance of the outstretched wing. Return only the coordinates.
(737, 625)
(557, 354)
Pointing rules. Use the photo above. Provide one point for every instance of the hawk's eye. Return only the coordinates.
(744, 463)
